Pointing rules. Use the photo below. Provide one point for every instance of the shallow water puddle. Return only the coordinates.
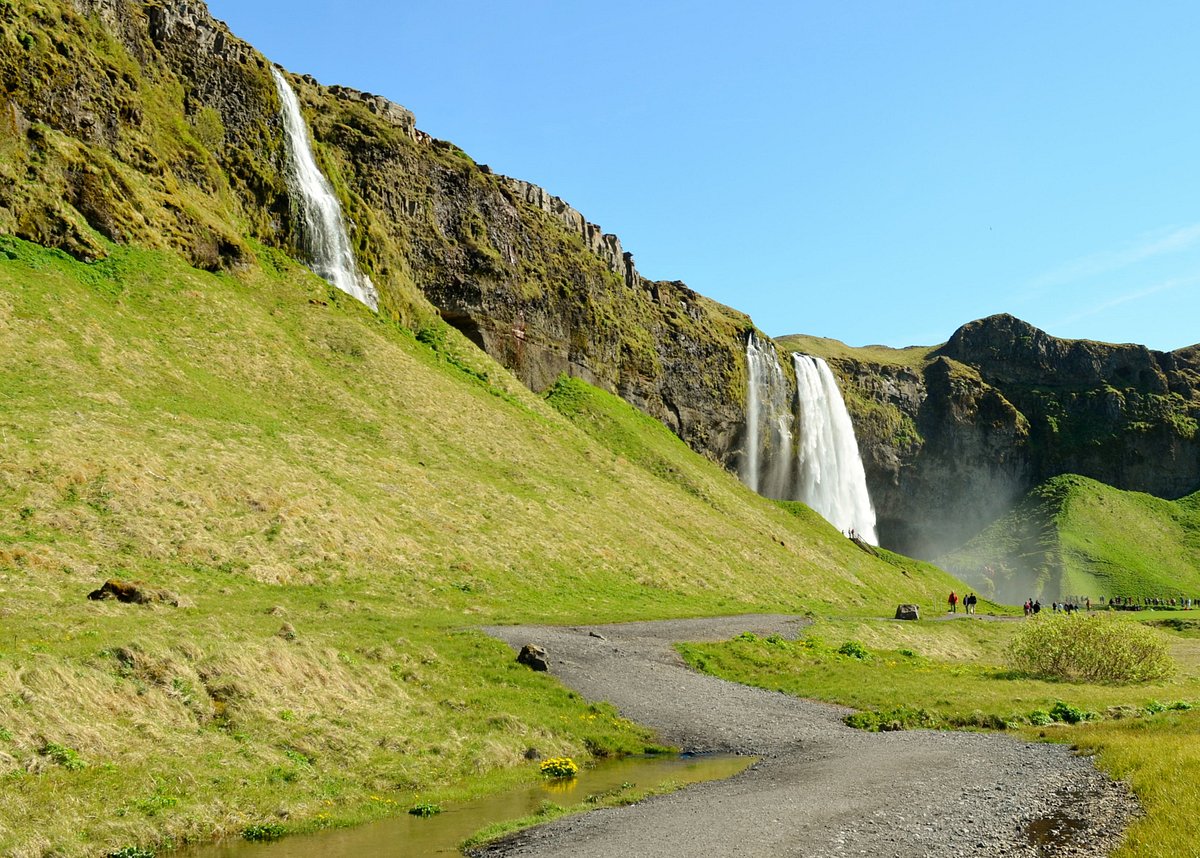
(414, 837)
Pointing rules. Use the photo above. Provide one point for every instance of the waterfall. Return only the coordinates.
(830, 474)
(766, 465)
(324, 229)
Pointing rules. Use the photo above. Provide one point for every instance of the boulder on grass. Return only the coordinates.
(136, 593)
(908, 612)
(533, 657)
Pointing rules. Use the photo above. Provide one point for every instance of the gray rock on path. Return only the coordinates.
(533, 657)
(908, 612)
(820, 789)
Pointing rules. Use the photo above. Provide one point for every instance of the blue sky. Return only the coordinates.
(877, 172)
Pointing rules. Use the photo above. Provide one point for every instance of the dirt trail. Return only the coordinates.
(821, 789)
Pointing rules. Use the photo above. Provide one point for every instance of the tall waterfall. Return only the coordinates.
(800, 445)
(324, 233)
(766, 466)
(830, 474)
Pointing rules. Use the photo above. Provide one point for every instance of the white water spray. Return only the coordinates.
(766, 466)
(830, 475)
(325, 237)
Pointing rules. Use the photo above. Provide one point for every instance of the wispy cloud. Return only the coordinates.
(1148, 247)
(1136, 295)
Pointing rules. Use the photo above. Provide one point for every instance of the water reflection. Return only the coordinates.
(413, 837)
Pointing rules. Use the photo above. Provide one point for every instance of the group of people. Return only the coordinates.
(1126, 603)
(968, 602)
(1071, 604)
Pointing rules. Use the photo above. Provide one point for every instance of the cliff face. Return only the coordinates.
(952, 439)
(149, 122)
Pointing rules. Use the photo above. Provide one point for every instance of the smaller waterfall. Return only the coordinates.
(766, 465)
(830, 476)
(325, 237)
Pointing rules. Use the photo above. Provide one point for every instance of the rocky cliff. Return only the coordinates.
(952, 436)
(150, 122)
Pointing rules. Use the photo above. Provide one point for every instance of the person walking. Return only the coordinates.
(953, 600)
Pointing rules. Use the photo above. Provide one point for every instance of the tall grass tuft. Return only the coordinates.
(1091, 649)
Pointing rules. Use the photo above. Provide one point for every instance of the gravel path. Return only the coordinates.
(820, 789)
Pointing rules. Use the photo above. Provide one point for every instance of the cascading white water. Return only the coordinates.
(830, 474)
(325, 237)
(766, 464)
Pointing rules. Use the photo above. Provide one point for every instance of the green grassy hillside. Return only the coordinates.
(1076, 536)
(338, 503)
(910, 357)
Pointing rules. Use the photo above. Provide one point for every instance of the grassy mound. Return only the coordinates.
(1076, 536)
(340, 502)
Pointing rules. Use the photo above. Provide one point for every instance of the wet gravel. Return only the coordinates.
(821, 788)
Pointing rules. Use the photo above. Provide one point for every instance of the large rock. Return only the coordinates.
(533, 657)
(908, 612)
(136, 593)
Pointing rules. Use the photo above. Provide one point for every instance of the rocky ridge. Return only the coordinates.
(954, 438)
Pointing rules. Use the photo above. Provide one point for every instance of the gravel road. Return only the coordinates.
(821, 788)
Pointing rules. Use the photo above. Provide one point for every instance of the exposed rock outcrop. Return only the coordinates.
(952, 441)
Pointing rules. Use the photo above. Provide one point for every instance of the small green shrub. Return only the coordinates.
(265, 831)
(66, 757)
(1069, 714)
(896, 718)
(1090, 649)
(1039, 718)
(131, 852)
(854, 649)
(425, 809)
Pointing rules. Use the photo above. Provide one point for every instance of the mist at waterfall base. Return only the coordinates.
(800, 443)
(325, 239)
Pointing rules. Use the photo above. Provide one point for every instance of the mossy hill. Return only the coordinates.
(338, 502)
(151, 123)
(953, 436)
(1073, 536)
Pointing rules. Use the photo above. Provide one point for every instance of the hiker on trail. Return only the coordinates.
(1088, 602)
(1037, 607)
(1028, 607)
(953, 600)
(970, 602)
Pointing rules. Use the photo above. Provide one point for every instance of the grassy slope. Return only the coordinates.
(273, 452)
(1073, 535)
(957, 673)
(912, 357)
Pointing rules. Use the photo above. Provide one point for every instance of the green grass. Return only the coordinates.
(911, 357)
(955, 674)
(273, 452)
(1076, 536)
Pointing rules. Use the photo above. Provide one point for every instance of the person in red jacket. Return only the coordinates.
(953, 600)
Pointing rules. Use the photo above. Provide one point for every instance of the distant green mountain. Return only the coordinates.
(1076, 536)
